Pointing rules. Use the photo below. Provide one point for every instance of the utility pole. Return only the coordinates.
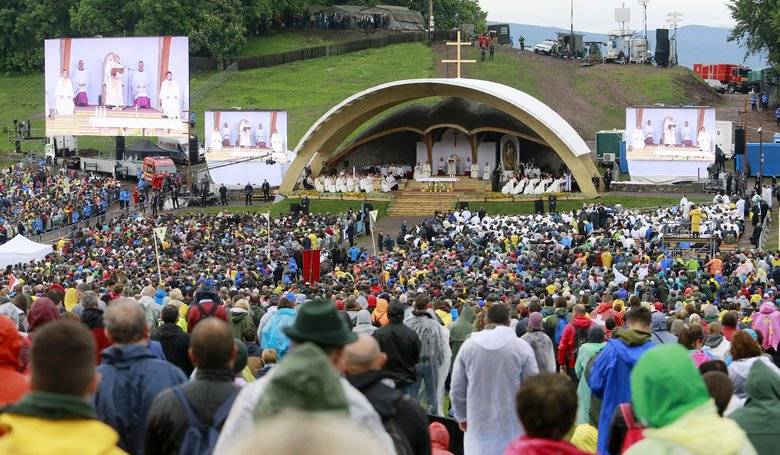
(430, 19)
(571, 37)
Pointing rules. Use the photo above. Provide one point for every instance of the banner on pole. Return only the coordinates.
(373, 214)
(160, 232)
(311, 266)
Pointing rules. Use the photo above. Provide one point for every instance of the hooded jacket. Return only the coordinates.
(670, 398)
(609, 377)
(739, 371)
(462, 328)
(605, 311)
(569, 338)
(71, 299)
(543, 350)
(93, 319)
(132, 376)
(240, 321)
(586, 353)
(363, 323)
(49, 423)
(175, 344)
(14, 384)
(717, 345)
(42, 311)
(767, 321)
(658, 327)
(760, 417)
(525, 445)
(272, 336)
(402, 346)
(379, 316)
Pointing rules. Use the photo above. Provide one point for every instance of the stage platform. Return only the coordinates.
(128, 121)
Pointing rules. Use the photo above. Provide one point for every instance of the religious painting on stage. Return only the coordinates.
(668, 144)
(117, 86)
(510, 146)
(247, 146)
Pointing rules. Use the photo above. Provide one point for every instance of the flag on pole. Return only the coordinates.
(619, 277)
(12, 282)
(160, 232)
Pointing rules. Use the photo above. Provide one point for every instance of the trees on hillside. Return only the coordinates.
(217, 30)
(758, 26)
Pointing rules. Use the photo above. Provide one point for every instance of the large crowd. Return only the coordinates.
(35, 199)
(576, 332)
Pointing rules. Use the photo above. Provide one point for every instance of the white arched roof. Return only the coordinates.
(521, 100)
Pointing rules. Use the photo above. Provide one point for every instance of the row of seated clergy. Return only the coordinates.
(534, 185)
(353, 184)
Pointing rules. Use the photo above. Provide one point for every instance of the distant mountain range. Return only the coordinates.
(697, 43)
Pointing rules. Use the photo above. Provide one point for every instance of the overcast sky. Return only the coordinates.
(598, 15)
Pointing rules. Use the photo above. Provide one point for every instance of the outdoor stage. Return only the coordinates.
(128, 121)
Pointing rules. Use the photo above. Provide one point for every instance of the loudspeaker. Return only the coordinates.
(463, 205)
(662, 47)
(193, 150)
(739, 141)
(120, 148)
(552, 201)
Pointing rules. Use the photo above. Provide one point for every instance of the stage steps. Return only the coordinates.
(411, 200)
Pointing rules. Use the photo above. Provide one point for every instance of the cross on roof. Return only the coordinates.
(458, 60)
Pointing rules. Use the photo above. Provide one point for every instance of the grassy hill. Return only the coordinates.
(590, 98)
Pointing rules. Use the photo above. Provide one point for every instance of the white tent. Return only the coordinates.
(20, 249)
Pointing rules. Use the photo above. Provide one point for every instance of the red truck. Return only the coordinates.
(734, 78)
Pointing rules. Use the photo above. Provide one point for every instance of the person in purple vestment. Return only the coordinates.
(82, 83)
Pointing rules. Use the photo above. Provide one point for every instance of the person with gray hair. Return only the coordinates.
(92, 317)
(132, 375)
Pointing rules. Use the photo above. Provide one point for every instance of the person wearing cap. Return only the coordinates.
(540, 343)
(318, 322)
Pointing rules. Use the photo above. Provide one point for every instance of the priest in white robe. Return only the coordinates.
(341, 183)
(703, 139)
(114, 82)
(388, 184)
(474, 170)
(486, 172)
(64, 95)
(686, 135)
(170, 97)
(441, 167)
(319, 186)
(215, 143)
(330, 185)
(367, 184)
(426, 170)
(531, 186)
(509, 186)
(140, 86)
(649, 133)
(520, 186)
(351, 184)
(245, 136)
(417, 171)
(82, 84)
(452, 166)
(277, 145)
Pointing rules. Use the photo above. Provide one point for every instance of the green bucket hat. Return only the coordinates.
(318, 321)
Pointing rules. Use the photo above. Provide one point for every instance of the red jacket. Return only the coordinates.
(194, 316)
(101, 341)
(566, 346)
(536, 446)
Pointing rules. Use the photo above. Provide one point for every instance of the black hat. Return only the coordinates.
(319, 322)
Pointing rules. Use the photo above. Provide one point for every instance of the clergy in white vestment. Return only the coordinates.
(520, 186)
(140, 85)
(441, 167)
(638, 141)
(330, 185)
(486, 172)
(351, 184)
(115, 82)
(490, 363)
(245, 136)
(475, 170)
(367, 184)
(277, 145)
(509, 186)
(703, 139)
(426, 170)
(225, 135)
(417, 171)
(64, 95)
(670, 135)
(388, 184)
(260, 136)
(530, 187)
(170, 97)
(452, 166)
(341, 183)
(318, 185)
(215, 143)
(82, 84)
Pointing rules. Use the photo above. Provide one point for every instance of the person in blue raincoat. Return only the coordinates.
(87, 210)
(610, 375)
(272, 335)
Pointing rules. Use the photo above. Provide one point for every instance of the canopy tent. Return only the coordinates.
(21, 250)
(400, 18)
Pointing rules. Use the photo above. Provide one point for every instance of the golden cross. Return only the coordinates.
(458, 60)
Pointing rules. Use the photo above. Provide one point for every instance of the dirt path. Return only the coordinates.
(729, 110)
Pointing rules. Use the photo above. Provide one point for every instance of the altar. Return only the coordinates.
(438, 184)
(456, 142)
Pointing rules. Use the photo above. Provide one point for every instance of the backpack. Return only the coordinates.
(199, 438)
(203, 313)
(580, 338)
(634, 432)
(559, 328)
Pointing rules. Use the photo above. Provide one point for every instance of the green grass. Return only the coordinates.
(282, 42)
(308, 89)
(629, 202)
(283, 207)
(505, 69)
(21, 98)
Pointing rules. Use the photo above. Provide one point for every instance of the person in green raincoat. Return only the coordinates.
(670, 398)
(592, 346)
(462, 328)
(760, 417)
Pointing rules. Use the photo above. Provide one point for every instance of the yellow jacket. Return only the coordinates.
(25, 435)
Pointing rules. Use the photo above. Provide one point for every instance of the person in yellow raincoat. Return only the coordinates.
(697, 216)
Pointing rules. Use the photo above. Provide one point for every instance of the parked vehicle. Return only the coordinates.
(735, 78)
(547, 47)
